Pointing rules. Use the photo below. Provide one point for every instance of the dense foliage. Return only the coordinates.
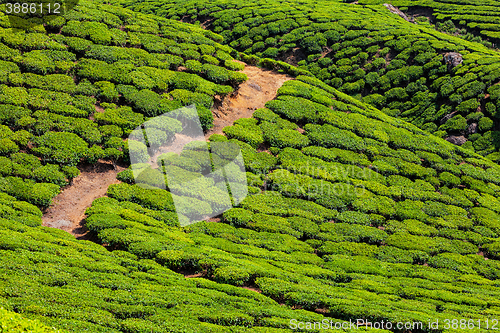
(71, 90)
(370, 53)
(357, 215)
(353, 213)
(13, 322)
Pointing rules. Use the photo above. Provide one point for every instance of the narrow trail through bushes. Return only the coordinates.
(261, 87)
(68, 209)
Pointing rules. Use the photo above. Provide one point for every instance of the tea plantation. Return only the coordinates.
(71, 90)
(352, 213)
(357, 215)
(369, 53)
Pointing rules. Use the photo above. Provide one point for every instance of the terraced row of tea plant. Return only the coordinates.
(69, 95)
(342, 227)
(79, 286)
(481, 18)
(72, 89)
(369, 53)
(355, 214)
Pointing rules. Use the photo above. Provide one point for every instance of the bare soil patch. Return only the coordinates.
(194, 275)
(99, 109)
(215, 219)
(416, 11)
(68, 209)
(293, 56)
(326, 51)
(261, 86)
(251, 286)
(481, 253)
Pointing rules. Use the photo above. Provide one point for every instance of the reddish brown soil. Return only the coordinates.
(205, 24)
(252, 288)
(326, 51)
(293, 56)
(99, 109)
(260, 87)
(481, 253)
(194, 275)
(68, 209)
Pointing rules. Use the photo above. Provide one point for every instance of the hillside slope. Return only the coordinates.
(367, 52)
(73, 89)
(356, 215)
(353, 213)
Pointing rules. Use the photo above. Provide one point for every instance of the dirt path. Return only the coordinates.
(68, 209)
(260, 87)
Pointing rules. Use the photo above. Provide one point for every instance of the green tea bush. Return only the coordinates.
(237, 216)
(282, 138)
(432, 246)
(449, 179)
(485, 124)
(354, 217)
(249, 133)
(123, 117)
(61, 147)
(297, 109)
(339, 232)
(232, 275)
(50, 173)
(107, 91)
(457, 123)
(348, 248)
(330, 136)
(413, 227)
